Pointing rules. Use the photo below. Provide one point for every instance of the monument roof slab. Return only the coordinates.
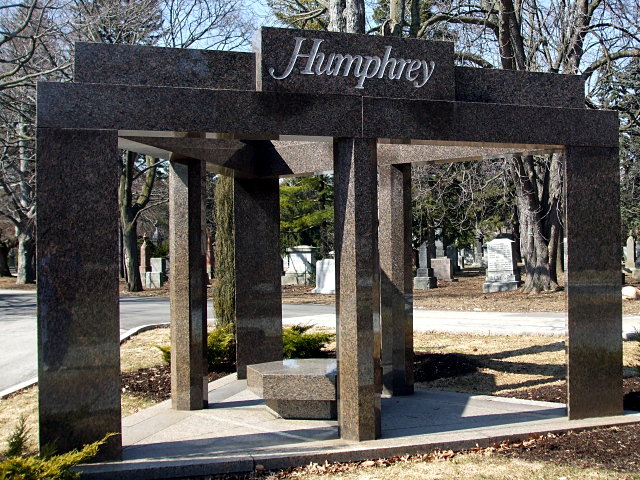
(481, 122)
(257, 114)
(169, 67)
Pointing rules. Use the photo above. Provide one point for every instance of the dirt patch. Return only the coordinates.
(432, 366)
(299, 294)
(9, 283)
(614, 448)
(154, 383)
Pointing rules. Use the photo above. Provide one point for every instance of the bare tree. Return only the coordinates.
(29, 51)
(204, 24)
(579, 36)
(137, 179)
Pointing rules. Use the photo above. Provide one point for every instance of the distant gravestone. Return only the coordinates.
(502, 272)
(145, 259)
(424, 279)
(630, 258)
(443, 269)
(452, 254)
(325, 276)
(636, 269)
(301, 265)
(477, 253)
(157, 277)
(440, 252)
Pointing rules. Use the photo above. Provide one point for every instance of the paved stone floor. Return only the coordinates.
(237, 432)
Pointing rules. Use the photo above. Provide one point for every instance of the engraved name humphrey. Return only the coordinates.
(328, 62)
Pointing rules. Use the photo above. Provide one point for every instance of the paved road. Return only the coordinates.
(18, 325)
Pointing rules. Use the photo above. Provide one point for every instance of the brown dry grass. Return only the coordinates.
(469, 467)
(9, 283)
(140, 351)
(507, 363)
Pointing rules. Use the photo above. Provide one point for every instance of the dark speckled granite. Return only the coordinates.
(77, 266)
(171, 67)
(519, 88)
(358, 288)
(122, 107)
(258, 270)
(483, 122)
(396, 279)
(188, 286)
(594, 304)
(277, 46)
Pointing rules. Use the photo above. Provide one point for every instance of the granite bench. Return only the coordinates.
(296, 388)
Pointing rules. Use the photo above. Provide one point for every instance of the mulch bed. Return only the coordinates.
(613, 448)
(429, 366)
(154, 383)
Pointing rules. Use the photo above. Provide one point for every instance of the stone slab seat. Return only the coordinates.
(296, 388)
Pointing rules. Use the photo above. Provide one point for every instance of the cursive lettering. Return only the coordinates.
(418, 72)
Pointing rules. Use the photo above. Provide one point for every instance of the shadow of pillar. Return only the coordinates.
(396, 279)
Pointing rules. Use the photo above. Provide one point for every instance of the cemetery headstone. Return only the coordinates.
(325, 276)
(443, 269)
(452, 253)
(157, 277)
(440, 252)
(503, 274)
(636, 268)
(630, 257)
(145, 258)
(157, 237)
(477, 253)
(301, 265)
(424, 279)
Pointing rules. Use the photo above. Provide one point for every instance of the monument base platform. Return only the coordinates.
(297, 388)
(425, 283)
(494, 287)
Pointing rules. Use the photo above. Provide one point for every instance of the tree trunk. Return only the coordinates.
(354, 16)
(131, 262)
(4, 259)
(121, 265)
(337, 21)
(516, 235)
(535, 228)
(26, 258)
(224, 290)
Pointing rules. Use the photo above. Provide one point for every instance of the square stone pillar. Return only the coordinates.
(256, 208)
(396, 278)
(188, 285)
(358, 288)
(594, 305)
(77, 268)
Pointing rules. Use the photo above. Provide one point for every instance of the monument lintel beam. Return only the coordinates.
(260, 114)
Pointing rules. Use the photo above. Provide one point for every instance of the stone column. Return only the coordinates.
(358, 289)
(396, 278)
(594, 353)
(77, 268)
(188, 286)
(256, 208)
